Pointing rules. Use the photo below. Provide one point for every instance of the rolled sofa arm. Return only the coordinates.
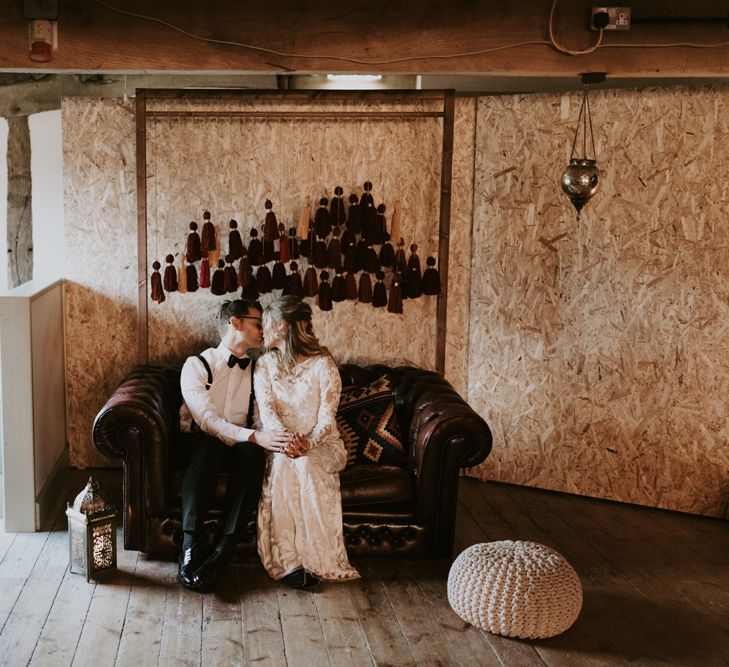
(138, 424)
(445, 435)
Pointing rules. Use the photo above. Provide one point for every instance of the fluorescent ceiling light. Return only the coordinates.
(354, 77)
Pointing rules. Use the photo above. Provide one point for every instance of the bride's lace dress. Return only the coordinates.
(300, 513)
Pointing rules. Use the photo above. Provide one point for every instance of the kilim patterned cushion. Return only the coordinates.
(367, 423)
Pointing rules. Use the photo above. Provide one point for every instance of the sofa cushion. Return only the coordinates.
(368, 484)
(368, 425)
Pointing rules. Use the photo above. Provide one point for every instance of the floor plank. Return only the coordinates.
(654, 586)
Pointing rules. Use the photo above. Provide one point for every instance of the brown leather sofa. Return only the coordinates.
(387, 509)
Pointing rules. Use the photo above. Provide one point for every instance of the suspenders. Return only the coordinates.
(209, 383)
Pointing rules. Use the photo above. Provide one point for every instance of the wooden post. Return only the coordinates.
(20, 215)
(142, 310)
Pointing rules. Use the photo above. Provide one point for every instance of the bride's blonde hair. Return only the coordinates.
(300, 338)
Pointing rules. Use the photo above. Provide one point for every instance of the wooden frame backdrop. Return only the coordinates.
(447, 113)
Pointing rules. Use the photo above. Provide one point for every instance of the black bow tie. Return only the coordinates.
(242, 362)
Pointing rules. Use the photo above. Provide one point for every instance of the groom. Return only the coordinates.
(218, 413)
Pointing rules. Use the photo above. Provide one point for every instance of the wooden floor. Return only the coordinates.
(656, 592)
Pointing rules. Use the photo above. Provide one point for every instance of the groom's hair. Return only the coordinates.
(237, 308)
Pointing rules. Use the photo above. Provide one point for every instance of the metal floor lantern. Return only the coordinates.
(91, 532)
(581, 178)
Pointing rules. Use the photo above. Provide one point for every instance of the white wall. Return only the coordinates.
(46, 168)
(3, 204)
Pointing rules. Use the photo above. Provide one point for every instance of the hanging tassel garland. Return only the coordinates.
(158, 294)
(205, 273)
(278, 273)
(387, 253)
(322, 223)
(350, 285)
(379, 292)
(264, 280)
(193, 252)
(339, 288)
(294, 285)
(235, 242)
(325, 292)
(284, 244)
(169, 281)
(354, 219)
(191, 274)
(302, 230)
(182, 274)
(395, 232)
(311, 282)
(431, 278)
(336, 208)
(364, 293)
(230, 278)
(255, 249)
(413, 281)
(207, 241)
(217, 284)
(394, 299)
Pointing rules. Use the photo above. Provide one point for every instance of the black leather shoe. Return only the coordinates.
(188, 561)
(301, 579)
(208, 574)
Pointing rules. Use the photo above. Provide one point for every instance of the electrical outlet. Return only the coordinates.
(610, 18)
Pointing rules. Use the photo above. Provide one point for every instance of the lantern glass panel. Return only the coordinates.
(102, 545)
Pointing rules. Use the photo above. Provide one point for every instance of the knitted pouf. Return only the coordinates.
(515, 589)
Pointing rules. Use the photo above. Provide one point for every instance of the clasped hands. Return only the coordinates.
(292, 445)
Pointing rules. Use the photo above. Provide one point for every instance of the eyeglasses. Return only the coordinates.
(250, 317)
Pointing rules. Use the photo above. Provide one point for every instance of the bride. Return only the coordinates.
(297, 387)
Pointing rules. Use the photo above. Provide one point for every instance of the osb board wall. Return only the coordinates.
(401, 158)
(598, 349)
(101, 261)
(232, 165)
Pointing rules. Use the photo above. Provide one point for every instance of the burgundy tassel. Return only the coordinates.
(350, 284)
(293, 284)
(334, 251)
(293, 243)
(264, 280)
(322, 224)
(158, 294)
(235, 242)
(413, 281)
(192, 250)
(217, 284)
(339, 288)
(325, 292)
(365, 288)
(354, 218)
(336, 208)
(372, 261)
(380, 230)
(387, 253)
(319, 256)
(311, 282)
(207, 242)
(278, 273)
(230, 278)
(170, 279)
(191, 275)
(284, 244)
(205, 273)
(394, 301)
(250, 289)
(270, 224)
(431, 278)
(306, 246)
(346, 238)
(379, 292)
(255, 249)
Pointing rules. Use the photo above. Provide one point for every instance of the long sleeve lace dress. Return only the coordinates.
(300, 512)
